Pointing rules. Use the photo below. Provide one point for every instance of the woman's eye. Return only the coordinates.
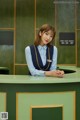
(51, 36)
(46, 33)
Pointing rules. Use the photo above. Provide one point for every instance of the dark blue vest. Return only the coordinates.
(37, 62)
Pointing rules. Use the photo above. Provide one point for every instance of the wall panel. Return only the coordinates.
(6, 13)
(78, 49)
(24, 28)
(65, 22)
(45, 12)
(7, 34)
(78, 14)
(78, 33)
(21, 70)
(24, 17)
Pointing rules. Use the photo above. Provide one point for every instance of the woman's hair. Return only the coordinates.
(44, 28)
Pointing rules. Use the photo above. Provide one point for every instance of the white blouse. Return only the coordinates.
(42, 51)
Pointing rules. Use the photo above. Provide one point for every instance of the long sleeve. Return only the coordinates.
(42, 51)
(54, 63)
(31, 67)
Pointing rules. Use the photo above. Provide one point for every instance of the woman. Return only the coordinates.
(42, 56)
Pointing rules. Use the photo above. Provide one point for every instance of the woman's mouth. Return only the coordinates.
(46, 41)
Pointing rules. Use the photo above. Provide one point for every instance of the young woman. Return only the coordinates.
(41, 57)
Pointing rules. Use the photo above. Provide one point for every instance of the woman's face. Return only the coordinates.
(46, 37)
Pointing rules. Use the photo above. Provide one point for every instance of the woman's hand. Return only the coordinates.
(56, 73)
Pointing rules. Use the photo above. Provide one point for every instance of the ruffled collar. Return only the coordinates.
(42, 47)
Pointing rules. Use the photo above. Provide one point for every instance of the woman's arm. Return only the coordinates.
(35, 72)
(54, 59)
(31, 67)
(55, 73)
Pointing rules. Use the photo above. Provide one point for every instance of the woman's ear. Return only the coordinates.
(40, 33)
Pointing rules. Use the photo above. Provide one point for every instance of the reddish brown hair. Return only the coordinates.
(44, 28)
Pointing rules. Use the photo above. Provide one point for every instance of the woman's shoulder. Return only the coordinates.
(53, 46)
(55, 49)
(29, 47)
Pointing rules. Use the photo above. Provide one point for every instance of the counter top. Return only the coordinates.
(27, 79)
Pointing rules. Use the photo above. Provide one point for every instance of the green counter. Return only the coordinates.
(26, 97)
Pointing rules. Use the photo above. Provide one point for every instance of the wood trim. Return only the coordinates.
(34, 19)
(20, 64)
(77, 29)
(76, 44)
(14, 35)
(7, 28)
(51, 106)
(55, 20)
(67, 64)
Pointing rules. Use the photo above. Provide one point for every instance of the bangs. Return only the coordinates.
(46, 28)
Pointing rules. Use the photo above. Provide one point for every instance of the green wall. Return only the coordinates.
(24, 17)
(65, 23)
(24, 32)
(78, 33)
(7, 24)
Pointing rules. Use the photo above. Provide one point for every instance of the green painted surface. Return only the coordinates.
(54, 113)
(26, 101)
(78, 14)
(6, 57)
(65, 16)
(65, 22)
(15, 84)
(6, 13)
(27, 79)
(24, 28)
(6, 21)
(45, 12)
(2, 102)
(78, 49)
(21, 70)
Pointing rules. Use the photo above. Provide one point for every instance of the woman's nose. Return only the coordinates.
(48, 37)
